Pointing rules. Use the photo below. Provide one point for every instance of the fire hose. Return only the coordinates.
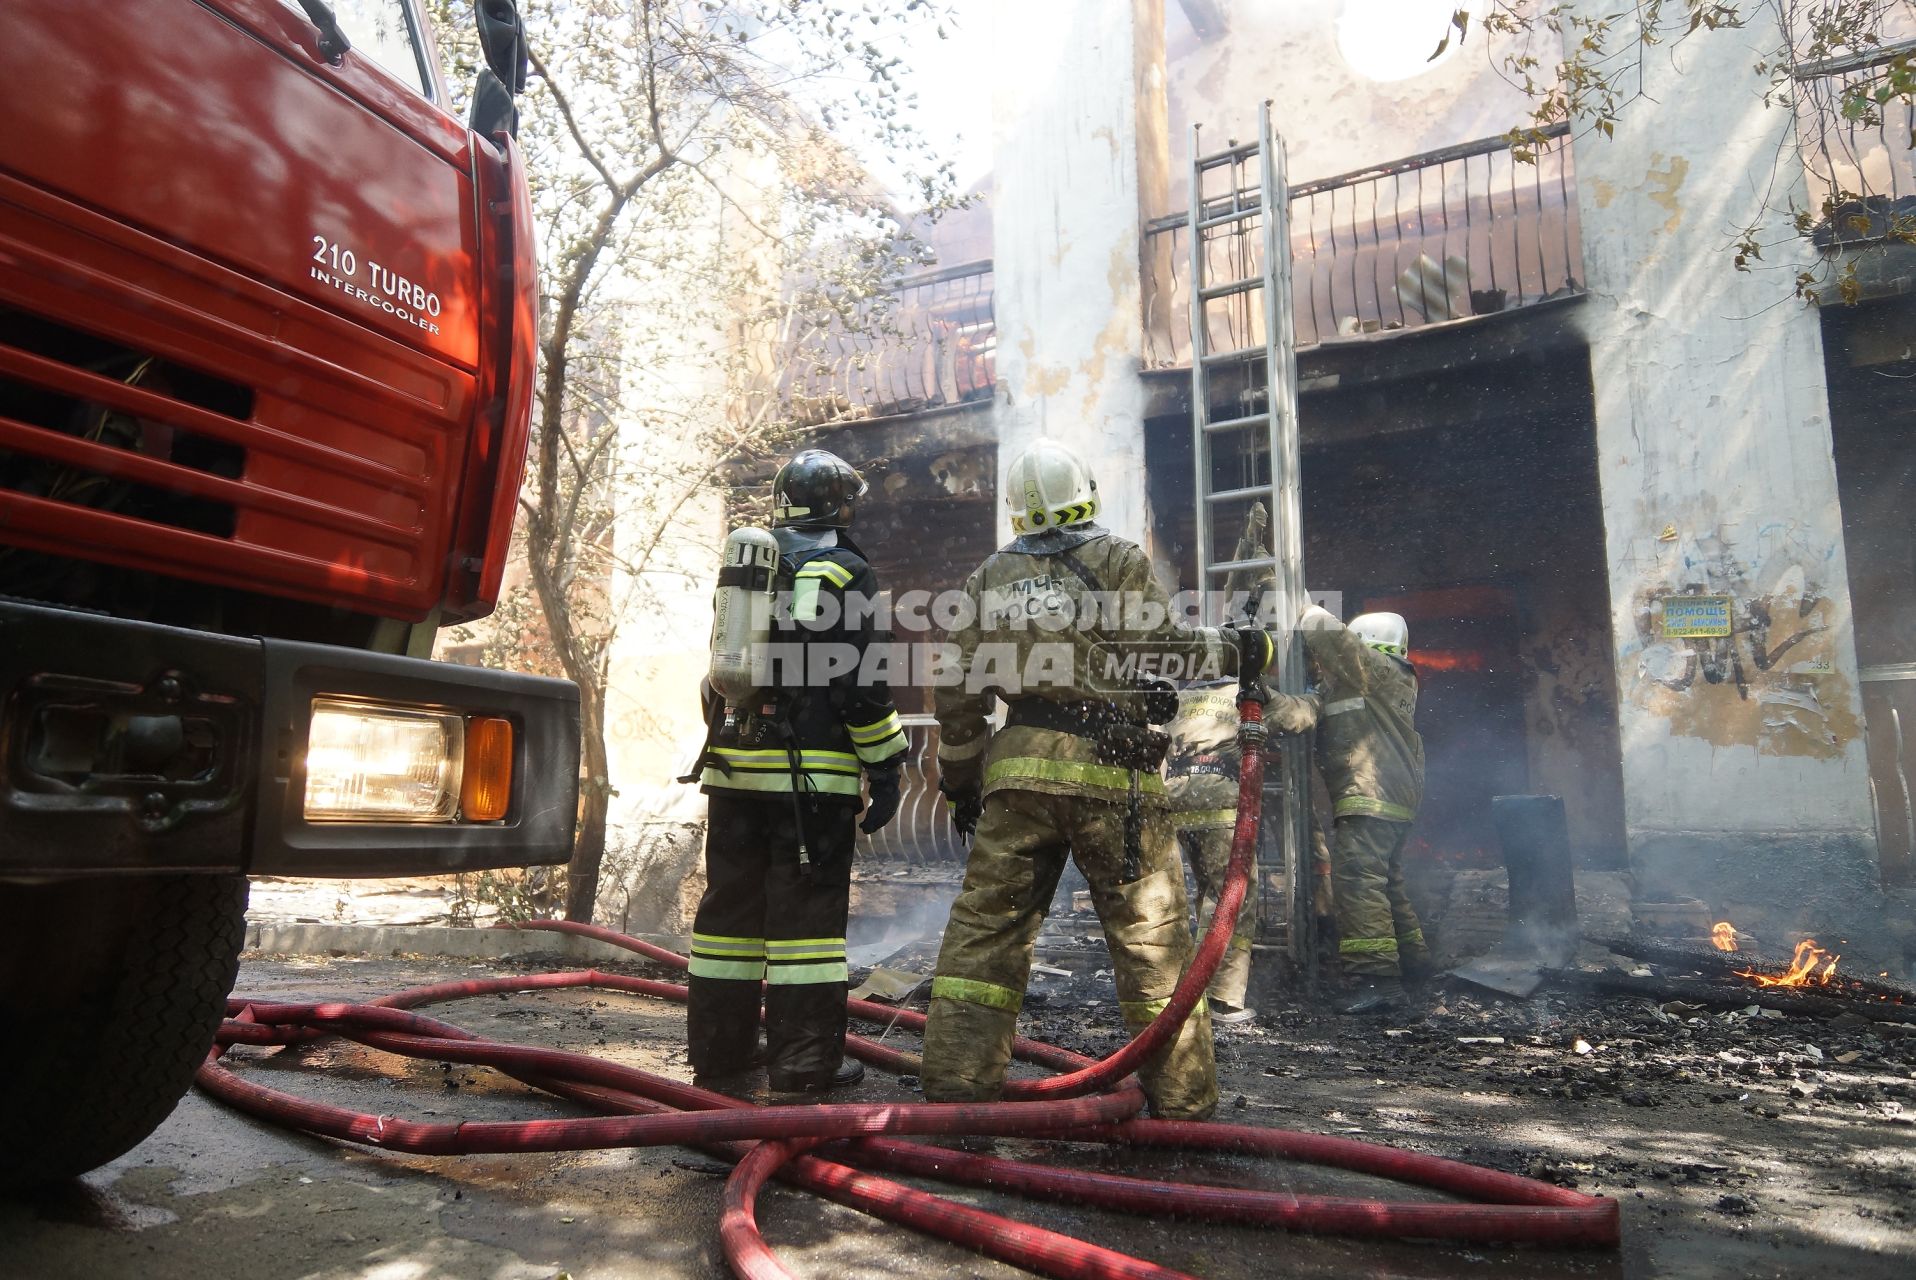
(828, 1148)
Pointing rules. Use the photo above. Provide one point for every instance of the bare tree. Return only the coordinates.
(702, 223)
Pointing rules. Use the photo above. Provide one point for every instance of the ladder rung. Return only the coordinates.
(1212, 293)
(1219, 158)
(1239, 215)
(1238, 424)
(1242, 353)
(1226, 566)
(1238, 495)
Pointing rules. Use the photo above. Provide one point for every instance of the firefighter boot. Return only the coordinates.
(1371, 997)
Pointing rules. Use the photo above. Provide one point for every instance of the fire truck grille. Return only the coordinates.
(123, 457)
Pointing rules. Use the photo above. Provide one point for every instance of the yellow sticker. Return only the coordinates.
(1696, 617)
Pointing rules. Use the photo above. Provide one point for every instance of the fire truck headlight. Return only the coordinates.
(367, 762)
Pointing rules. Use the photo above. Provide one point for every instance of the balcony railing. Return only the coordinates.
(934, 346)
(1468, 230)
(1859, 154)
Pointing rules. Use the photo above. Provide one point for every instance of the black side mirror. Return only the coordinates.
(502, 38)
(333, 43)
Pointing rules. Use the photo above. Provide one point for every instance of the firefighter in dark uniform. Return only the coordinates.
(782, 776)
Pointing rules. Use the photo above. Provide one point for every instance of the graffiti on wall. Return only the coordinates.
(1737, 642)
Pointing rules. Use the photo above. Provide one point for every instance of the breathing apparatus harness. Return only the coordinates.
(1117, 739)
(741, 708)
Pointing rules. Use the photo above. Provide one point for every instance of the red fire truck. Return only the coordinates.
(267, 336)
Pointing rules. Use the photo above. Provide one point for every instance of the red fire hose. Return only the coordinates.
(814, 1146)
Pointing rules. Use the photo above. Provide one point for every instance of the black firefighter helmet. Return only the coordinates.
(815, 490)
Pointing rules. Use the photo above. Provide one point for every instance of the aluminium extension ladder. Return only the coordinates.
(1246, 452)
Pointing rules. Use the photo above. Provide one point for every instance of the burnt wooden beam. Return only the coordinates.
(1720, 995)
(1727, 963)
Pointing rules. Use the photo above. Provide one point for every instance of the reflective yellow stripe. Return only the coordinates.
(837, 574)
(1343, 705)
(1367, 946)
(720, 938)
(741, 947)
(780, 782)
(778, 758)
(885, 750)
(807, 949)
(1365, 807)
(729, 970)
(1206, 818)
(1032, 769)
(1415, 938)
(1241, 941)
(803, 975)
(877, 729)
(1139, 1012)
(972, 991)
(805, 599)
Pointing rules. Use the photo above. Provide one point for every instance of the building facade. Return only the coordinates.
(1645, 512)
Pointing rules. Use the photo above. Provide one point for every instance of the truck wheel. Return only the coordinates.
(112, 990)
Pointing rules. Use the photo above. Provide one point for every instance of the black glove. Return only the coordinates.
(886, 790)
(1255, 650)
(966, 802)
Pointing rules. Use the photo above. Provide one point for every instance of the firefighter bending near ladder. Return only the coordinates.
(1201, 779)
(1074, 771)
(782, 773)
(1373, 764)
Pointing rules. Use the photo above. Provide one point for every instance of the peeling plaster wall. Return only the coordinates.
(1066, 231)
(1745, 778)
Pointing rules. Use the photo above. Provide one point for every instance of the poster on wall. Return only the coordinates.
(1696, 617)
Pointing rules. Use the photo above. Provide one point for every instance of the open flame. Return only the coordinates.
(1811, 964)
(1427, 660)
(1723, 936)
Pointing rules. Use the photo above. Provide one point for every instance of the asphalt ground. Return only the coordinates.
(1734, 1148)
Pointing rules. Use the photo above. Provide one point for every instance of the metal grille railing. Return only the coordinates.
(1473, 229)
(933, 344)
(1859, 154)
(921, 835)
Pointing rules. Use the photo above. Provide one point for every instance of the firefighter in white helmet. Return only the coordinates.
(1373, 764)
(1074, 772)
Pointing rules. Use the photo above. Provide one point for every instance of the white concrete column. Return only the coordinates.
(1744, 771)
(1066, 228)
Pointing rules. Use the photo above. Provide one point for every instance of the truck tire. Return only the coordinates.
(113, 987)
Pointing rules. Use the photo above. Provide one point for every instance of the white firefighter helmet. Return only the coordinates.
(1384, 632)
(1048, 486)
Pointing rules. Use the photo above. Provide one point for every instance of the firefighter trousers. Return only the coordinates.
(1017, 856)
(1208, 850)
(764, 921)
(1377, 931)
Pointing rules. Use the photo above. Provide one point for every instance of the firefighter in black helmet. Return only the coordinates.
(782, 775)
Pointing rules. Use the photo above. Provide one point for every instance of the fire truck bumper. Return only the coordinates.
(127, 747)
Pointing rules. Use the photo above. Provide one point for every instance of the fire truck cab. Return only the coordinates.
(267, 339)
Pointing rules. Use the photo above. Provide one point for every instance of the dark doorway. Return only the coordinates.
(1873, 432)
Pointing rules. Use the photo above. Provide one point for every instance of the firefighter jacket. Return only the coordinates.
(823, 715)
(1201, 772)
(1073, 617)
(1367, 743)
